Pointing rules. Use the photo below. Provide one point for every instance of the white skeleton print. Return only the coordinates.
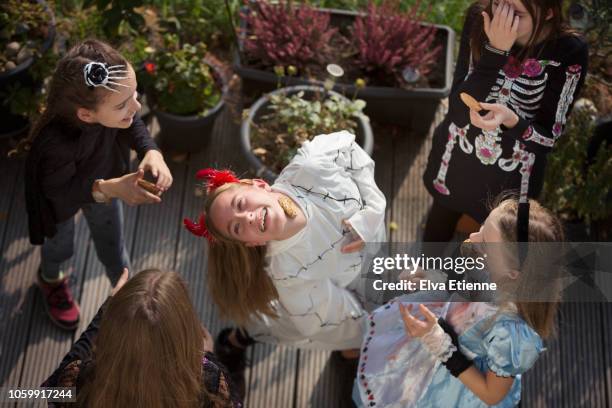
(454, 133)
(520, 87)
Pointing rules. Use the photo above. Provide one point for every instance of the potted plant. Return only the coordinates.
(396, 53)
(281, 121)
(27, 33)
(185, 91)
(201, 20)
(577, 183)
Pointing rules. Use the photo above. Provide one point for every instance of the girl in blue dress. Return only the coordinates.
(467, 354)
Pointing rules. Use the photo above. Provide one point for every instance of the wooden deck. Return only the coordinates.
(575, 371)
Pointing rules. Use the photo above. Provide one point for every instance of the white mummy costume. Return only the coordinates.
(332, 179)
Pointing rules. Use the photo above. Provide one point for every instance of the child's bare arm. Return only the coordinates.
(489, 387)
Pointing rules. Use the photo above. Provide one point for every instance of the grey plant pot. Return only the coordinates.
(414, 108)
(364, 135)
(189, 134)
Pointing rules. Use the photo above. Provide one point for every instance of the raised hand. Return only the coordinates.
(502, 30)
(417, 327)
(126, 188)
(154, 162)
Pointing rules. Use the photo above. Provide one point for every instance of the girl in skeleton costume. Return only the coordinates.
(523, 64)
(78, 159)
(284, 258)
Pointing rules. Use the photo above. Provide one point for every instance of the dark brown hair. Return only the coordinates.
(149, 349)
(537, 9)
(237, 277)
(68, 91)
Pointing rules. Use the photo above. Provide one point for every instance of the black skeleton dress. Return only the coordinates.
(468, 166)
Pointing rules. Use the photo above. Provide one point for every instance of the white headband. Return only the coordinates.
(97, 74)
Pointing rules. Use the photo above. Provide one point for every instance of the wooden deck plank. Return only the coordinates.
(8, 180)
(581, 352)
(17, 290)
(410, 200)
(606, 309)
(271, 377)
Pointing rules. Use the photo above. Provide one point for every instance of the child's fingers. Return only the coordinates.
(509, 19)
(353, 246)
(515, 24)
(148, 198)
(407, 318)
(504, 15)
(429, 315)
(475, 118)
(487, 23)
(495, 107)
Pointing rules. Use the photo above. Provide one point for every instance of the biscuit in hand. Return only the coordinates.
(470, 102)
(150, 187)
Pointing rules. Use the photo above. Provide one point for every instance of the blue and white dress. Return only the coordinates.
(396, 370)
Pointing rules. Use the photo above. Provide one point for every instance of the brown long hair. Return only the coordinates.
(149, 349)
(544, 227)
(537, 9)
(68, 91)
(237, 277)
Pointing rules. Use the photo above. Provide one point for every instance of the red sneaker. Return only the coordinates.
(59, 303)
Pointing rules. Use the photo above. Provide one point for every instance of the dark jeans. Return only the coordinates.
(106, 225)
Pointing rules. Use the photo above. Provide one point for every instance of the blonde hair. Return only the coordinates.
(149, 334)
(544, 226)
(237, 277)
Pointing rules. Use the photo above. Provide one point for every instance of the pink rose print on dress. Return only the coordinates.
(574, 69)
(532, 67)
(513, 68)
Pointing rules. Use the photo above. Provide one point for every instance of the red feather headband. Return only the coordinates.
(213, 179)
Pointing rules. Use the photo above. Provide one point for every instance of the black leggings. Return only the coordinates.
(441, 224)
(440, 227)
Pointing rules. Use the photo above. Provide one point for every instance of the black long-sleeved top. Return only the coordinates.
(467, 167)
(64, 162)
(77, 367)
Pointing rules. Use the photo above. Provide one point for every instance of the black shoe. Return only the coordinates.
(233, 358)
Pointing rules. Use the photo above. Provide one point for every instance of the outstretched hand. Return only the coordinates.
(414, 326)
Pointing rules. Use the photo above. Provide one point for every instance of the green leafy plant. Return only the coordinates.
(575, 187)
(118, 15)
(178, 79)
(200, 20)
(288, 34)
(393, 46)
(447, 12)
(291, 120)
(25, 26)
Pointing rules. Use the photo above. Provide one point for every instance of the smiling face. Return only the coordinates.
(249, 213)
(117, 109)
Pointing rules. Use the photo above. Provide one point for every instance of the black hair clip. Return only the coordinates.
(98, 74)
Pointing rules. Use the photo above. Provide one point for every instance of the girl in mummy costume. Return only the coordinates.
(284, 259)
(520, 59)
